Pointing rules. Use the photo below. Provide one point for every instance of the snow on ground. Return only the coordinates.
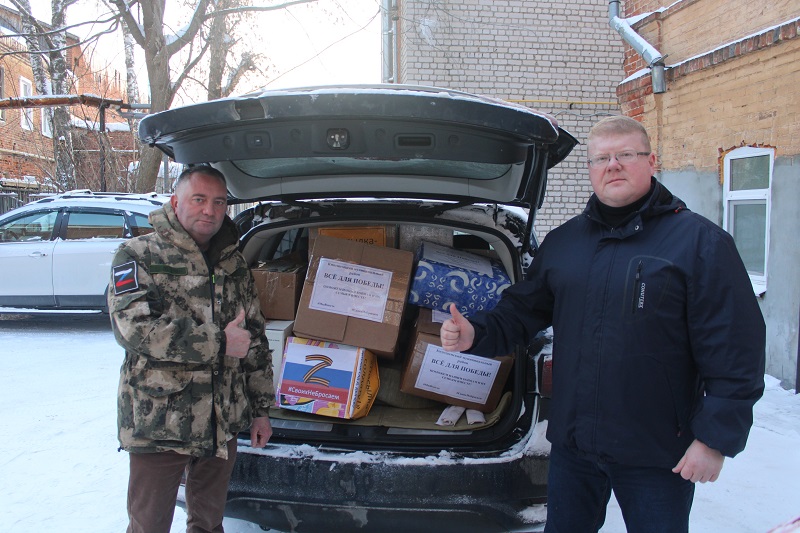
(60, 469)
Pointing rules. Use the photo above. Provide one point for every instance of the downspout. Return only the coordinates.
(651, 56)
(388, 48)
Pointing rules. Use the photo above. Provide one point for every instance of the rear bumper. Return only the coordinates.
(373, 494)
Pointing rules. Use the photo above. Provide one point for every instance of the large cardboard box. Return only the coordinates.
(277, 331)
(376, 234)
(354, 294)
(327, 379)
(279, 284)
(445, 275)
(454, 378)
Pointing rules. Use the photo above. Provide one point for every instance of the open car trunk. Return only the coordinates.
(398, 420)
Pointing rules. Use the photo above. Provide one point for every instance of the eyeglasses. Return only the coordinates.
(623, 158)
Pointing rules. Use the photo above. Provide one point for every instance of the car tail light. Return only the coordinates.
(546, 385)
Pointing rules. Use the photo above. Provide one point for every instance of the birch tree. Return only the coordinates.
(170, 57)
(48, 61)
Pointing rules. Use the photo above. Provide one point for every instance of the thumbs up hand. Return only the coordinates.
(237, 339)
(457, 334)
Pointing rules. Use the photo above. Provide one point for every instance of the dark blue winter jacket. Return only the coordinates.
(658, 338)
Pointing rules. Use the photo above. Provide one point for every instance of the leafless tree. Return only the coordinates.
(47, 50)
(171, 57)
(146, 23)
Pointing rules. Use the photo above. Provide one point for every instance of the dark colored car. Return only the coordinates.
(429, 164)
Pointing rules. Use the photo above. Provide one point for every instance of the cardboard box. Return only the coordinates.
(279, 284)
(327, 379)
(376, 235)
(444, 275)
(454, 378)
(354, 294)
(412, 235)
(430, 321)
(277, 331)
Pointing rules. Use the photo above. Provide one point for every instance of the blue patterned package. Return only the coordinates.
(444, 275)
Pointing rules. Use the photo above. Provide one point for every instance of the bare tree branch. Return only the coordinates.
(92, 38)
(245, 9)
(130, 21)
(328, 47)
(68, 27)
(196, 22)
(245, 65)
(191, 64)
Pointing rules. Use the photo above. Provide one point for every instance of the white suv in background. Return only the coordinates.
(56, 252)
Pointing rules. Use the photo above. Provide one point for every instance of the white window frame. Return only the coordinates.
(26, 113)
(751, 196)
(2, 91)
(47, 115)
(47, 123)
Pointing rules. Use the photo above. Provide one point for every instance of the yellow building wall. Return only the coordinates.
(692, 27)
(752, 99)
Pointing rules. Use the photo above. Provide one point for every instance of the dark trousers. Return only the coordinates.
(652, 500)
(153, 490)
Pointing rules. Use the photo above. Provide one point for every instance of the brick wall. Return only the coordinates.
(22, 152)
(559, 57)
(693, 27)
(28, 152)
(746, 92)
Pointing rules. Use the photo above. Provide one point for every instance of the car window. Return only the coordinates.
(87, 225)
(291, 241)
(32, 227)
(141, 226)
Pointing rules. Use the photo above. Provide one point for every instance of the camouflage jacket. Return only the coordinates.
(177, 389)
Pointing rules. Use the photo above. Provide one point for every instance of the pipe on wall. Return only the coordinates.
(388, 48)
(651, 56)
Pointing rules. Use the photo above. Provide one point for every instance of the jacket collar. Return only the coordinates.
(661, 201)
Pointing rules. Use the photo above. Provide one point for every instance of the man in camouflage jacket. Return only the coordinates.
(197, 366)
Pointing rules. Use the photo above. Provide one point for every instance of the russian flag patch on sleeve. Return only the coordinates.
(125, 278)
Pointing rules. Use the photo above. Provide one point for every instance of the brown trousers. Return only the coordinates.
(153, 490)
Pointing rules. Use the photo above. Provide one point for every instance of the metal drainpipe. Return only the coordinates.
(652, 57)
(395, 39)
(388, 43)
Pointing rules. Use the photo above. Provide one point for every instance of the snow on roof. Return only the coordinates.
(726, 45)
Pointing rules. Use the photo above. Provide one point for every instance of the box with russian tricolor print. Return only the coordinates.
(326, 378)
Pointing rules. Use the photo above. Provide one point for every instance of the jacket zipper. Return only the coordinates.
(636, 283)
(218, 367)
(213, 294)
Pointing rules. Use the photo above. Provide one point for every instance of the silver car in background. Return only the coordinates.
(56, 252)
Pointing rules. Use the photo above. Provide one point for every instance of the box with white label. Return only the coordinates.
(454, 378)
(354, 294)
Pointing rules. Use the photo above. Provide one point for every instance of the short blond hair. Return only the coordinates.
(619, 125)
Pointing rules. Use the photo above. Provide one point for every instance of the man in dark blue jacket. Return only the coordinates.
(658, 345)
